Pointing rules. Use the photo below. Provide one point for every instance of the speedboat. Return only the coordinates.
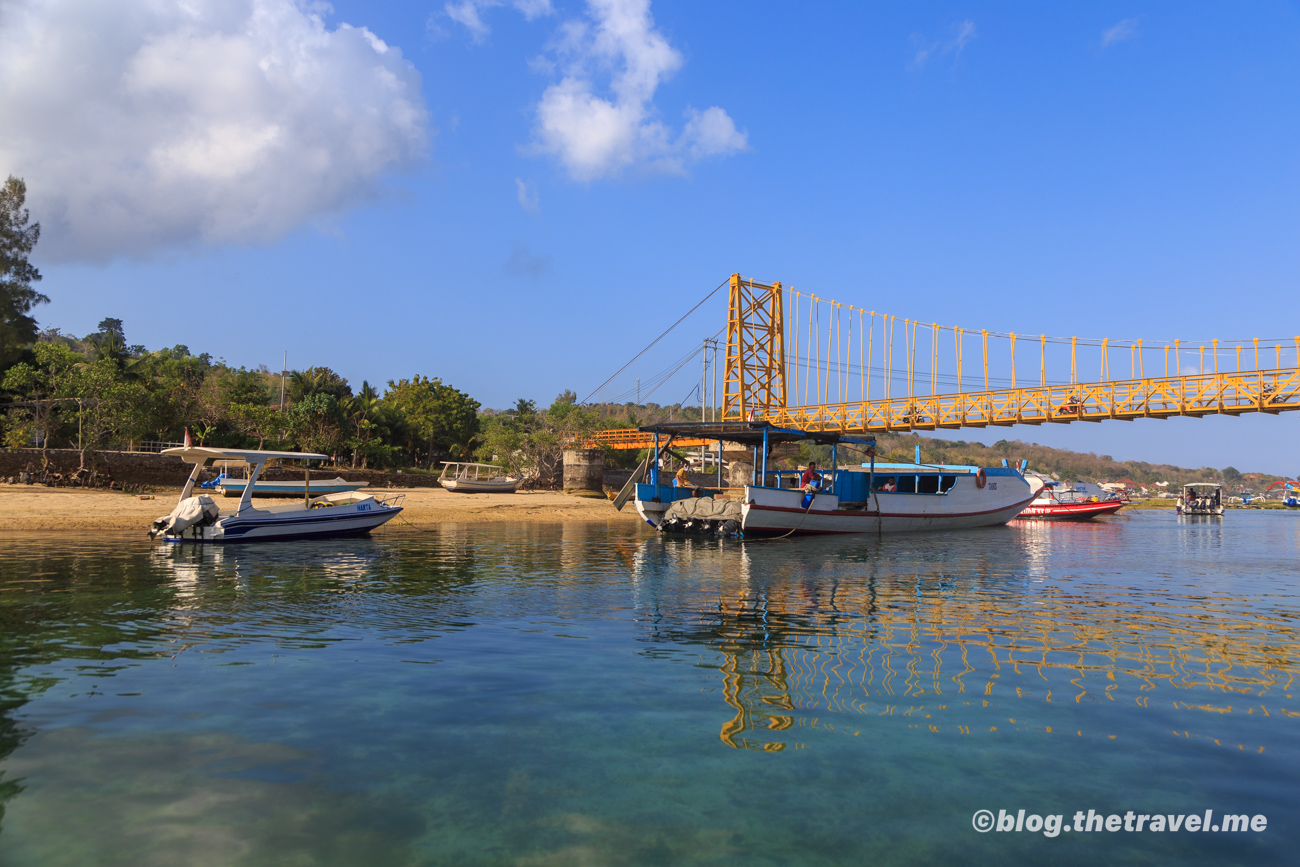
(200, 519)
(870, 498)
(1067, 504)
(468, 478)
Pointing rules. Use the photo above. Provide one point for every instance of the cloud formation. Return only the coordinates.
(141, 126)
(470, 13)
(597, 132)
(1124, 30)
(963, 33)
(527, 194)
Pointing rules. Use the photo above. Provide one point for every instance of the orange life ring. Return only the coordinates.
(980, 479)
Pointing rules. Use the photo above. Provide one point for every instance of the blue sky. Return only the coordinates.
(1110, 170)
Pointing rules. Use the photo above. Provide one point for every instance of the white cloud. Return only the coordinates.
(527, 194)
(596, 134)
(470, 13)
(963, 33)
(143, 125)
(1124, 30)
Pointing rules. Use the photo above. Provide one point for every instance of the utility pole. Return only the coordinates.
(283, 368)
(704, 378)
(638, 391)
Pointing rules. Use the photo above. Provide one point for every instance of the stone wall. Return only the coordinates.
(142, 469)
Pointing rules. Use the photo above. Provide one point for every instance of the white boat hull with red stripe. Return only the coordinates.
(776, 511)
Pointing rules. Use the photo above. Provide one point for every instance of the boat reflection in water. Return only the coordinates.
(835, 639)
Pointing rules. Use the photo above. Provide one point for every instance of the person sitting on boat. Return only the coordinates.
(811, 480)
(889, 486)
(680, 480)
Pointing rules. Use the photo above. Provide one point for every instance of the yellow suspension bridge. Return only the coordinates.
(800, 361)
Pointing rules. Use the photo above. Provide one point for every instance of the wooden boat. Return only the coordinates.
(1069, 505)
(468, 478)
(229, 487)
(871, 498)
(200, 519)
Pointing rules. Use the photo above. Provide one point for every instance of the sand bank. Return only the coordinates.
(32, 507)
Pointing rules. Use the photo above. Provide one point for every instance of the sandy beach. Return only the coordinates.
(32, 507)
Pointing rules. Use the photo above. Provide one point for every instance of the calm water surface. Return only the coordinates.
(584, 694)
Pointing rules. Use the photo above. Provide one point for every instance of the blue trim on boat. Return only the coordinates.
(243, 526)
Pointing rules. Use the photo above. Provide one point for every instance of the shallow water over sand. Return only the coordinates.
(583, 693)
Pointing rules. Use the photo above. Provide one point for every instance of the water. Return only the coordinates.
(584, 694)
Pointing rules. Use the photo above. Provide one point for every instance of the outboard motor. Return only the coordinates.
(197, 511)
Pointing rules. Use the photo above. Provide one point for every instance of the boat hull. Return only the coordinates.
(279, 524)
(485, 486)
(1070, 511)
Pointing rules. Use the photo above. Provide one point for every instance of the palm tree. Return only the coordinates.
(360, 409)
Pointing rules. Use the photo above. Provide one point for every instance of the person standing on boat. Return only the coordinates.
(811, 480)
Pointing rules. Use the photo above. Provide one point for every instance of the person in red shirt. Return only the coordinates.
(811, 480)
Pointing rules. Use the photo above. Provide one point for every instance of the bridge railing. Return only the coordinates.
(1270, 391)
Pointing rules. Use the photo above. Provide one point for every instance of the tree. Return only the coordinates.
(442, 419)
(43, 385)
(318, 380)
(365, 442)
(316, 424)
(17, 297)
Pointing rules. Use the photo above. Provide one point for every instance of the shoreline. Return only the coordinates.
(33, 507)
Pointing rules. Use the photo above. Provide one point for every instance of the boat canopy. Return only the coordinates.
(752, 433)
(199, 454)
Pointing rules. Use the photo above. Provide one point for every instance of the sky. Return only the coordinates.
(517, 196)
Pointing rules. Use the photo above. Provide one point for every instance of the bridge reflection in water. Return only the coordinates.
(951, 651)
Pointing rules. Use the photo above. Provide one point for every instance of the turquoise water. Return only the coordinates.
(591, 694)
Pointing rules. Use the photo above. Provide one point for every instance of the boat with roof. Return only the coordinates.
(198, 518)
(867, 498)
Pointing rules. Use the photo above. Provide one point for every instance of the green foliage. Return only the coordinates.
(441, 421)
(316, 422)
(17, 297)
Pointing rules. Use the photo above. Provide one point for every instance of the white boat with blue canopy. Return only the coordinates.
(867, 498)
(198, 518)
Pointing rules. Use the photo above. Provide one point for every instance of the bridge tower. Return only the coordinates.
(754, 380)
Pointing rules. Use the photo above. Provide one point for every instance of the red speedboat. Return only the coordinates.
(1069, 505)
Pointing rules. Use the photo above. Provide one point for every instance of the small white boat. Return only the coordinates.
(229, 487)
(200, 519)
(872, 498)
(467, 478)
